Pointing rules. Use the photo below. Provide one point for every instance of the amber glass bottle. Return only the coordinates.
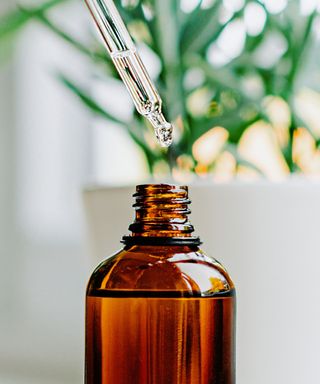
(160, 311)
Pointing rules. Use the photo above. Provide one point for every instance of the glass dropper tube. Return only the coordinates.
(130, 67)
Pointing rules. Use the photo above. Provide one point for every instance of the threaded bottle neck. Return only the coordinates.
(161, 213)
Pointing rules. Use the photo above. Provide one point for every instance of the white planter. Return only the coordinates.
(267, 235)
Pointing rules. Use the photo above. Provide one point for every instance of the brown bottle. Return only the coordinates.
(160, 311)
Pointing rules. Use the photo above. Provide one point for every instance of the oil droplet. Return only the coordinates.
(163, 129)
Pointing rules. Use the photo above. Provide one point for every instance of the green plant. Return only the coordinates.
(223, 90)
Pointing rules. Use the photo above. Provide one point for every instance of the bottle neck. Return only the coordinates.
(161, 215)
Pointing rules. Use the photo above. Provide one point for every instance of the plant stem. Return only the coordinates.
(168, 35)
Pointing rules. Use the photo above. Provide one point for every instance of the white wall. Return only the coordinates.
(45, 146)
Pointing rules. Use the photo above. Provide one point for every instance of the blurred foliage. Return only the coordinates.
(204, 85)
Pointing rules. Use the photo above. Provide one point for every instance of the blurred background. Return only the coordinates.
(241, 81)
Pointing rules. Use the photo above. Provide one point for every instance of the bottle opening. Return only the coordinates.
(161, 215)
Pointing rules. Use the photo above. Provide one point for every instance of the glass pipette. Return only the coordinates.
(130, 67)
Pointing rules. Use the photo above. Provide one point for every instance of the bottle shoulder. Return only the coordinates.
(184, 269)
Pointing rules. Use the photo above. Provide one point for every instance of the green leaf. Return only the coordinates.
(100, 111)
(232, 121)
(224, 77)
(299, 51)
(197, 28)
(166, 19)
(81, 47)
(88, 100)
(203, 29)
(15, 20)
(12, 22)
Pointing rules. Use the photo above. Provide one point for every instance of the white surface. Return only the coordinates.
(267, 236)
(25, 380)
(44, 152)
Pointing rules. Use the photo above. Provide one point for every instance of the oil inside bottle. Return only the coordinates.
(159, 337)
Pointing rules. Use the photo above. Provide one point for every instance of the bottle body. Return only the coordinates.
(160, 311)
(160, 314)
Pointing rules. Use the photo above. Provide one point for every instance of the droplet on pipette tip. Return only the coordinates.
(164, 134)
(163, 129)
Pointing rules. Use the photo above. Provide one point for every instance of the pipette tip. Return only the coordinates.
(164, 134)
(163, 129)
